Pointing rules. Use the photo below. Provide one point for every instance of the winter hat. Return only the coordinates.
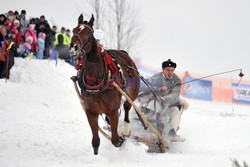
(17, 22)
(29, 39)
(42, 35)
(168, 63)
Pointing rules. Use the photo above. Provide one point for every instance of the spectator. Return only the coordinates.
(67, 37)
(63, 50)
(62, 32)
(9, 23)
(23, 24)
(3, 34)
(3, 19)
(41, 45)
(31, 32)
(10, 14)
(24, 49)
(43, 26)
(6, 58)
(18, 40)
(53, 35)
(16, 15)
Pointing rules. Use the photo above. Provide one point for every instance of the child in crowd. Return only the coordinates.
(31, 32)
(41, 45)
(24, 49)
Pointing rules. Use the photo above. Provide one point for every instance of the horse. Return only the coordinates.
(97, 93)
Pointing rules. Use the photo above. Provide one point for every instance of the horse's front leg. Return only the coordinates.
(126, 130)
(93, 122)
(115, 139)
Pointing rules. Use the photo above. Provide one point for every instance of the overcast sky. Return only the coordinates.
(201, 36)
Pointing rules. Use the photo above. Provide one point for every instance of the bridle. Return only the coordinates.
(82, 50)
(82, 53)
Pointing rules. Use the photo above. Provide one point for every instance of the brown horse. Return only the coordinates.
(98, 94)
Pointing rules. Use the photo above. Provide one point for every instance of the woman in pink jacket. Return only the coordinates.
(32, 32)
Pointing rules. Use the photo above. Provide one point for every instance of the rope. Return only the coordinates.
(212, 75)
(106, 123)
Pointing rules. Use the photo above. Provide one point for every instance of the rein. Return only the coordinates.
(96, 85)
(81, 53)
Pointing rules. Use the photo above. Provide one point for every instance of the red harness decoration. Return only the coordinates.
(109, 63)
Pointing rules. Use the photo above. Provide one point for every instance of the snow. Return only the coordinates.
(42, 124)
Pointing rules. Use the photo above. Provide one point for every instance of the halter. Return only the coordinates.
(83, 44)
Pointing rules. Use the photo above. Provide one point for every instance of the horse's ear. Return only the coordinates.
(91, 21)
(80, 19)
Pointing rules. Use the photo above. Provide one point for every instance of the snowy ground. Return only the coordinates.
(42, 124)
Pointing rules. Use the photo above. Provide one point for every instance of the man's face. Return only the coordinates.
(54, 29)
(68, 33)
(168, 72)
(42, 19)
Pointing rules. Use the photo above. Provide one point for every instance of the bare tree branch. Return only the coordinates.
(118, 19)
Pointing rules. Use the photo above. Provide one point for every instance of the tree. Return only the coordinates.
(118, 19)
(127, 25)
(93, 7)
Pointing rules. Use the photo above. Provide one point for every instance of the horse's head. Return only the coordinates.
(82, 36)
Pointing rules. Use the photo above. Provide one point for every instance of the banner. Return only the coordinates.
(241, 93)
(199, 89)
(146, 72)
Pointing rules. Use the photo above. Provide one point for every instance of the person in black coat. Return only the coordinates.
(43, 26)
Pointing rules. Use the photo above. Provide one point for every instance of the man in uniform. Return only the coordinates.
(169, 107)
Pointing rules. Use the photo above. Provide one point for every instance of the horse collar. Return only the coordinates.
(110, 70)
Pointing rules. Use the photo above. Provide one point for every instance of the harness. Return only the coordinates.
(112, 70)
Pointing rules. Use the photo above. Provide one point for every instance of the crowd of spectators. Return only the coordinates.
(20, 37)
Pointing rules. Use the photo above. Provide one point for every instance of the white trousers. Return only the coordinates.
(174, 114)
(168, 119)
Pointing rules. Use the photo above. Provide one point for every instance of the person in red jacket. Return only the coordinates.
(32, 33)
(18, 38)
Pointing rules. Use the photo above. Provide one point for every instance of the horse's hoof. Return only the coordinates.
(121, 140)
(95, 151)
